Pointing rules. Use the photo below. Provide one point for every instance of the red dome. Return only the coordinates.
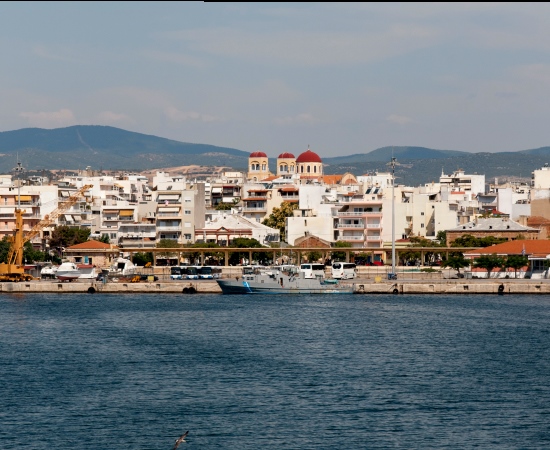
(258, 155)
(286, 155)
(308, 157)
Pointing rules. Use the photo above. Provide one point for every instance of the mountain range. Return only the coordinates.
(103, 147)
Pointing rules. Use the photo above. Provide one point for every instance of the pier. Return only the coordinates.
(361, 286)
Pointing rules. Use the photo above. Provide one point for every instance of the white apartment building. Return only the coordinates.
(180, 208)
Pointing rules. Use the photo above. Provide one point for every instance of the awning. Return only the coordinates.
(126, 212)
(64, 193)
(110, 211)
(7, 210)
(68, 218)
(168, 197)
(216, 190)
(169, 210)
(25, 198)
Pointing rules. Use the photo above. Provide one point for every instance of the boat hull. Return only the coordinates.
(64, 276)
(255, 287)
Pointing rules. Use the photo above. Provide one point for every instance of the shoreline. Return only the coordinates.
(361, 287)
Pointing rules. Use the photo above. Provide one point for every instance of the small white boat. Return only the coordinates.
(67, 271)
(122, 267)
(48, 272)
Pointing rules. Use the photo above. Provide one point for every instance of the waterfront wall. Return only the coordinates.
(365, 286)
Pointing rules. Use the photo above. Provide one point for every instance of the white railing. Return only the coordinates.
(374, 238)
(169, 214)
(161, 228)
(374, 225)
(351, 225)
(245, 209)
(352, 238)
(355, 213)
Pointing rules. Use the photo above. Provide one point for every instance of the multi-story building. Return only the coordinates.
(180, 208)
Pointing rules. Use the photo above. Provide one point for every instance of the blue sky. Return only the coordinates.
(341, 78)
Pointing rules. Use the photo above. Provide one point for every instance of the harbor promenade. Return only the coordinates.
(361, 286)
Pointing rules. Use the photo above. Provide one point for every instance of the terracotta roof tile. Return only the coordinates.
(90, 245)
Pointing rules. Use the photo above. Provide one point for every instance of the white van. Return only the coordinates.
(343, 270)
(312, 270)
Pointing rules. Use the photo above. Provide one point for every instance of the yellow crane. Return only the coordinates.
(13, 269)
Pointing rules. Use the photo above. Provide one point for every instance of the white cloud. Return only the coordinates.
(308, 48)
(175, 115)
(401, 120)
(63, 117)
(304, 118)
(109, 117)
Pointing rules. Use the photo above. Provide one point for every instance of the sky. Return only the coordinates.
(279, 77)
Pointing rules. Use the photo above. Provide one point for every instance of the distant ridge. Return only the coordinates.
(103, 147)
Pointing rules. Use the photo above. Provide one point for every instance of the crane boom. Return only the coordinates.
(15, 254)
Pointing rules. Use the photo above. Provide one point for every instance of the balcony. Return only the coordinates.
(351, 225)
(352, 238)
(374, 238)
(356, 213)
(261, 209)
(374, 225)
(162, 229)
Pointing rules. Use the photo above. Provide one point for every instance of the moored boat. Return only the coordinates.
(67, 272)
(278, 282)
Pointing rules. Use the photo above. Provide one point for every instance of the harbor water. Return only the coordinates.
(131, 371)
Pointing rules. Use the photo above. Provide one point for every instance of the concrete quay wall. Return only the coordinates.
(364, 286)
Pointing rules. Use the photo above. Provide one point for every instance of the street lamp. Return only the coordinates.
(393, 216)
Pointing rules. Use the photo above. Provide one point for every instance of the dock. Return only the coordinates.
(361, 286)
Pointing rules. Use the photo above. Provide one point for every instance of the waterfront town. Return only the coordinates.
(134, 211)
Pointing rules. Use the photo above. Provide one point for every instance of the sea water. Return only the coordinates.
(292, 372)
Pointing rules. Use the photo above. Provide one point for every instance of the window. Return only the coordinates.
(421, 225)
(308, 169)
(187, 236)
(187, 200)
(422, 213)
(187, 211)
(315, 169)
(263, 167)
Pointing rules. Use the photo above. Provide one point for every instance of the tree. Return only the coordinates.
(468, 240)
(277, 218)
(32, 255)
(167, 243)
(340, 256)
(234, 257)
(142, 258)
(314, 256)
(409, 256)
(516, 262)
(441, 238)
(104, 238)
(456, 262)
(65, 236)
(488, 262)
